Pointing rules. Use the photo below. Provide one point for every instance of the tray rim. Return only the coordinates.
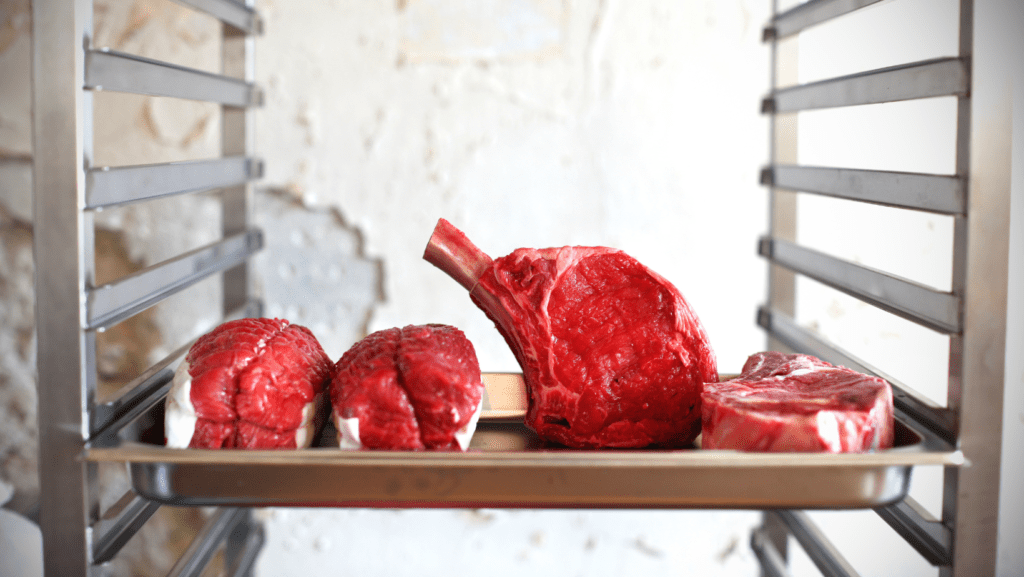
(153, 468)
(136, 452)
(504, 402)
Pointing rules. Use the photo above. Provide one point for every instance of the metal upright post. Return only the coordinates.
(781, 215)
(63, 245)
(238, 140)
(782, 149)
(973, 313)
(78, 536)
(980, 265)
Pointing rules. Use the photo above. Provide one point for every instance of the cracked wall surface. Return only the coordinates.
(603, 115)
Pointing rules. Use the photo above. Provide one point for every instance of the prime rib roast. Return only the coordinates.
(797, 403)
(252, 383)
(410, 388)
(611, 352)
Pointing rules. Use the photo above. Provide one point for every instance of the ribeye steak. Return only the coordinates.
(611, 353)
(417, 387)
(249, 383)
(798, 403)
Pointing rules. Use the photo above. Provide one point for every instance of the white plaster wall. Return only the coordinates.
(633, 125)
(526, 123)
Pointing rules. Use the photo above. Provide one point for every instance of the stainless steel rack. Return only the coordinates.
(973, 313)
(79, 536)
(79, 432)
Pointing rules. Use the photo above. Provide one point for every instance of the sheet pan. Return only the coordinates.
(507, 466)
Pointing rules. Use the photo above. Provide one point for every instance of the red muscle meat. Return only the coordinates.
(417, 387)
(611, 352)
(254, 384)
(797, 403)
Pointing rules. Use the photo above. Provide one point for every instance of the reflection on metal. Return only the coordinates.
(809, 14)
(235, 14)
(934, 309)
(130, 515)
(772, 563)
(217, 529)
(940, 77)
(242, 550)
(119, 72)
(63, 249)
(135, 398)
(928, 192)
(821, 551)
(109, 304)
(108, 186)
(927, 535)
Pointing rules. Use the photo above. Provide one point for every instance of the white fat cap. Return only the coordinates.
(348, 430)
(180, 415)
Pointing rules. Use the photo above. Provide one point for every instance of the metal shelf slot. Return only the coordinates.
(119, 72)
(772, 563)
(810, 14)
(119, 524)
(199, 553)
(926, 192)
(109, 304)
(825, 556)
(934, 309)
(242, 552)
(112, 186)
(234, 14)
(928, 536)
(938, 420)
(136, 397)
(939, 77)
(973, 312)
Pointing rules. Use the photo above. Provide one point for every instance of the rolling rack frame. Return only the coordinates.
(964, 541)
(78, 537)
(77, 431)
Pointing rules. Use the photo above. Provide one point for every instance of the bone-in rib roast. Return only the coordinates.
(417, 387)
(797, 403)
(249, 383)
(611, 352)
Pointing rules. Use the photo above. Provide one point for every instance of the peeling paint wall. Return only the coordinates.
(526, 123)
(624, 111)
(19, 479)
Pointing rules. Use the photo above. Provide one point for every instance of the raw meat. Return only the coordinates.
(249, 383)
(799, 403)
(418, 387)
(612, 354)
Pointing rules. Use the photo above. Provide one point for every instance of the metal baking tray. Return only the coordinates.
(507, 466)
